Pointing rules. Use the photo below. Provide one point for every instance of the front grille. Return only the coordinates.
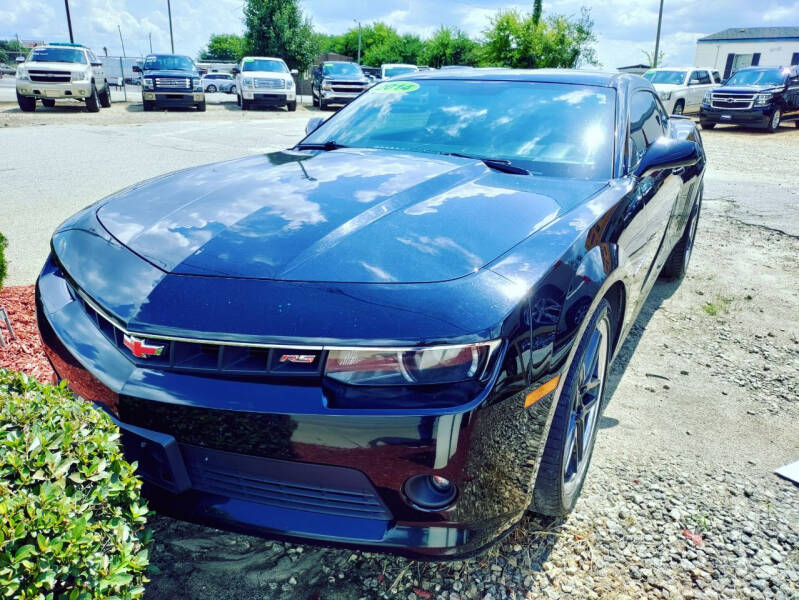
(225, 359)
(49, 76)
(173, 83)
(261, 83)
(732, 101)
(348, 87)
(284, 484)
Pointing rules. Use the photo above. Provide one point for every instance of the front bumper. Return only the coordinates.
(269, 98)
(758, 116)
(223, 452)
(177, 98)
(56, 91)
(333, 97)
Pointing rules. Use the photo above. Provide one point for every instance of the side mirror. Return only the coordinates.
(667, 153)
(97, 64)
(235, 70)
(20, 59)
(313, 124)
(295, 72)
(136, 68)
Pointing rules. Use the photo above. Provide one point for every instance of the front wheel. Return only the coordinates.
(679, 108)
(570, 444)
(93, 101)
(26, 103)
(148, 105)
(708, 125)
(774, 122)
(245, 104)
(291, 106)
(677, 263)
(105, 97)
(48, 102)
(201, 107)
(232, 90)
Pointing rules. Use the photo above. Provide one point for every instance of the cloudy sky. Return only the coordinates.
(624, 27)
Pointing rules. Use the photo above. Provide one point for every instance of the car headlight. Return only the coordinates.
(247, 82)
(22, 74)
(664, 95)
(79, 76)
(708, 97)
(290, 84)
(763, 99)
(410, 366)
(326, 85)
(195, 82)
(147, 83)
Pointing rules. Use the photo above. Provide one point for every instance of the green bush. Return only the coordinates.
(72, 524)
(3, 244)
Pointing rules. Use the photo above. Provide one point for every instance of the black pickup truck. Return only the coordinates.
(761, 97)
(169, 80)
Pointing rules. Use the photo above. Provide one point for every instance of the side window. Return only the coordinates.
(704, 78)
(716, 77)
(646, 125)
(694, 78)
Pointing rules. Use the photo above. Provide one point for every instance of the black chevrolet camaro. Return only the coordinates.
(394, 335)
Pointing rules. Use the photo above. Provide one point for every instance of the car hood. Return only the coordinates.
(746, 89)
(667, 87)
(361, 216)
(275, 74)
(56, 66)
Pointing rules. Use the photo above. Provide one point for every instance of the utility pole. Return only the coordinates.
(151, 42)
(121, 41)
(171, 38)
(657, 37)
(359, 39)
(69, 22)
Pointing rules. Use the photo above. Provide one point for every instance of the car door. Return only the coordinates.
(99, 76)
(792, 95)
(658, 191)
(693, 96)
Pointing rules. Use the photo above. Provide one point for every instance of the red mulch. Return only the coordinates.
(25, 353)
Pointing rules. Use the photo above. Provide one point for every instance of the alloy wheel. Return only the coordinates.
(585, 407)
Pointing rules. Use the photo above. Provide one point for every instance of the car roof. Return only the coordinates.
(264, 58)
(573, 76)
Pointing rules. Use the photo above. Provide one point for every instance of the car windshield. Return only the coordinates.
(264, 64)
(341, 70)
(65, 55)
(552, 129)
(168, 62)
(757, 77)
(674, 77)
(396, 71)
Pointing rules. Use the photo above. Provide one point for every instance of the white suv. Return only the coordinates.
(62, 72)
(681, 89)
(265, 81)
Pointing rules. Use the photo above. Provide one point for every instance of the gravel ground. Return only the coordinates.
(680, 501)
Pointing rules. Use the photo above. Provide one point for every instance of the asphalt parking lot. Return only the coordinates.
(705, 391)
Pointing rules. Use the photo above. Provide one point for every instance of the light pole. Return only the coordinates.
(657, 37)
(69, 22)
(171, 38)
(151, 42)
(359, 39)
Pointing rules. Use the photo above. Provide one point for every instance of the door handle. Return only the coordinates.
(678, 171)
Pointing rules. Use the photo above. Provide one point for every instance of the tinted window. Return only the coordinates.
(673, 77)
(716, 77)
(397, 71)
(341, 70)
(757, 77)
(704, 77)
(547, 128)
(646, 125)
(65, 55)
(261, 64)
(168, 62)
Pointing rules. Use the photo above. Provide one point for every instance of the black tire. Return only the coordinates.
(48, 102)
(677, 263)
(322, 104)
(233, 90)
(211, 89)
(314, 100)
(26, 103)
(291, 106)
(148, 105)
(105, 97)
(201, 106)
(561, 475)
(796, 123)
(93, 101)
(708, 125)
(245, 104)
(774, 121)
(238, 100)
(679, 108)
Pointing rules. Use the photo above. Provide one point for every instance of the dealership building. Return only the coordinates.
(739, 47)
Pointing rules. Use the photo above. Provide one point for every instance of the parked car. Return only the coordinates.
(219, 82)
(388, 71)
(62, 71)
(373, 74)
(265, 81)
(681, 89)
(761, 97)
(170, 80)
(337, 82)
(394, 335)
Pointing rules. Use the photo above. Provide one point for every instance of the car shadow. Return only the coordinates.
(138, 107)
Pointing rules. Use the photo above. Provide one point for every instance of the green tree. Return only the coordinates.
(449, 47)
(515, 40)
(229, 47)
(278, 28)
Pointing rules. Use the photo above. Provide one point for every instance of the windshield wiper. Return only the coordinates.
(328, 145)
(505, 166)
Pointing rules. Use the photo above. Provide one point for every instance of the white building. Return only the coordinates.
(738, 47)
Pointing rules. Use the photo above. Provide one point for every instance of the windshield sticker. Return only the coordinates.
(397, 87)
(249, 60)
